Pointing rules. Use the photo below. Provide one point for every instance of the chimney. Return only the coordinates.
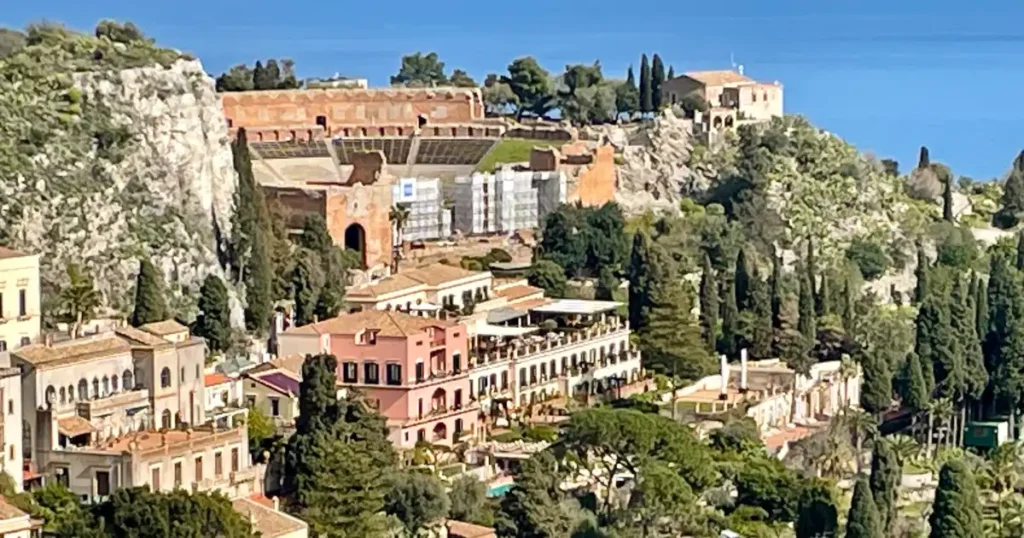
(725, 378)
(743, 370)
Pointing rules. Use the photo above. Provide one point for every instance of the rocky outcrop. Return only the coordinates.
(655, 164)
(140, 165)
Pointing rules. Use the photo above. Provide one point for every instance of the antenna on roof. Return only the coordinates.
(732, 60)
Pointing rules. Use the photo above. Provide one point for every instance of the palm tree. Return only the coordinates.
(939, 409)
(833, 460)
(847, 370)
(399, 217)
(862, 425)
(78, 299)
(905, 447)
(1000, 476)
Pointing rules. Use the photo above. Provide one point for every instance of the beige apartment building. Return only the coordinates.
(733, 97)
(127, 408)
(20, 313)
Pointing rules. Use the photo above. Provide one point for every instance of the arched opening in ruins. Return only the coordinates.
(322, 122)
(355, 239)
(421, 121)
(728, 121)
(717, 122)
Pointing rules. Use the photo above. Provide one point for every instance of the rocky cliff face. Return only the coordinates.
(113, 163)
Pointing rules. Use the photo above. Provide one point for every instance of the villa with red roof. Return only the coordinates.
(413, 369)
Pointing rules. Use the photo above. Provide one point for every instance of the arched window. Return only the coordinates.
(71, 393)
(63, 395)
(95, 388)
(106, 385)
(165, 420)
(113, 382)
(83, 389)
(51, 395)
(165, 377)
(129, 383)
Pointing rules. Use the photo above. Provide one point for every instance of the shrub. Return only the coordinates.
(869, 257)
(541, 432)
(956, 246)
(497, 255)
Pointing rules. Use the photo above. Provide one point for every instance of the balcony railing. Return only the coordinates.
(525, 349)
(129, 399)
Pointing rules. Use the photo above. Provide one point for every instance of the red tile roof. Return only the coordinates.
(211, 380)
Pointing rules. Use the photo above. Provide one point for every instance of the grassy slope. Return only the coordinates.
(509, 150)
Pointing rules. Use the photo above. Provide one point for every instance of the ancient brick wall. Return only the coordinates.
(595, 184)
(332, 108)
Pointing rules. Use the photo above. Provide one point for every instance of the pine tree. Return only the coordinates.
(886, 475)
(742, 279)
(150, 304)
(817, 516)
(761, 312)
(807, 323)
(863, 520)
(956, 510)
(947, 198)
(638, 274)
(709, 305)
(657, 79)
(730, 319)
(646, 91)
(923, 161)
(214, 320)
(776, 290)
(670, 338)
(921, 272)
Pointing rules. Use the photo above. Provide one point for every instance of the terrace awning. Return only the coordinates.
(74, 426)
(500, 330)
(577, 306)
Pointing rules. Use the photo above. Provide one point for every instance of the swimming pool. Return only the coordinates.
(499, 490)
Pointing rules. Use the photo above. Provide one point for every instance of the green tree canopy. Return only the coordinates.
(657, 79)
(461, 79)
(708, 304)
(549, 276)
(886, 474)
(646, 91)
(214, 320)
(531, 85)
(150, 302)
(817, 515)
(420, 70)
(956, 510)
(863, 520)
(1013, 196)
(418, 500)
(468, 498)
(627, 96)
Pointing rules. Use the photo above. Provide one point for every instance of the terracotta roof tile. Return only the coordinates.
(164, 328)
(513, 293)
(290, 363)
(73, 426)
(718, 78)
(71, 351)
(439, 273)
(9, 511)
(461, 529)
(6, 253)
(212, 380)
(143, 338)
(387, 322)
(268, 522)
(386, 286)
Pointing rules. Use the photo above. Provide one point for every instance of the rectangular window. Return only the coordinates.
(349, 372)
(458, 398)
(504, 380)
(533, 374)
(456, 364)
(419, 372)
(218, 464)
(154, 480)
(394, 374)
(177, 474)
(199, 469)
(275, 407)
(235, 462)
(543, 370)
(1, 306)
(102, 483)
(22, 303)
(371, 373)
(522, 377)
(419, 409)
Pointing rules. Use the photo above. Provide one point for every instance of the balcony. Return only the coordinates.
(523, 348)
(243, 475)
(442, 412)
(108, 404)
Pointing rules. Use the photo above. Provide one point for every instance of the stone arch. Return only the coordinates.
(440, 431)
(717, 122)
(728, 121)
(83, 389)
(128, 379)
(355, 239)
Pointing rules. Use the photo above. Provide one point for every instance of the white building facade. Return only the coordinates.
(506, 201)
(428, 217)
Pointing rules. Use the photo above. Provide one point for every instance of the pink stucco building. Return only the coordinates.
(414, 369)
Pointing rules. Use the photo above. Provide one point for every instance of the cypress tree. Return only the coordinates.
(980, 308)
(742, 281)
(730, 319)
(947, 198)
(863, 520)
(243, 220)
(876, 390)
(914, 390)
(331, 298)
(849, 315)
(252, 237)
(956, 510)
(776, 290)
(150, 304)
(886, 475)
(816, 511)
(214, 320)
(709, 305)
(646, 93)
(807, 324)
(923, 161)
(1020, 251)
(812, 273)
(638, 274)
(671, 73)
(968, 344)
(928, 339)
(824, 297)
(921, 272)
(307, 282)
(657, 79)
(761, 315)
(259, 284)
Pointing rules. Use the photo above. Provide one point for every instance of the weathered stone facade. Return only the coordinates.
(352, 107)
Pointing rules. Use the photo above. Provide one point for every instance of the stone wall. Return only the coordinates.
(352, 107)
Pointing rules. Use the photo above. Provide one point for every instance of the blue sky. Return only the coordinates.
(887, 76)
